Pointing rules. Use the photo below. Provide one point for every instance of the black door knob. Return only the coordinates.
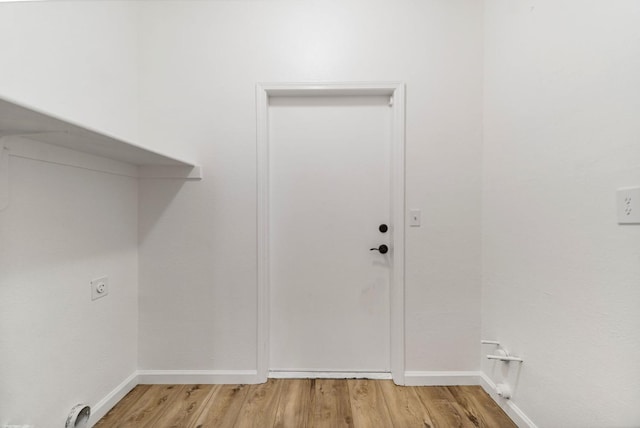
(383, 228)
(382, 248)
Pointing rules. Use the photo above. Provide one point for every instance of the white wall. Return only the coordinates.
(201, 62)
(560, 277)
(76, 59)
(65, 226)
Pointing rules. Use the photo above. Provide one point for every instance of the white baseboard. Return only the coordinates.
(509, 407)
(107, 403)
(328, 375)
(441, 378)
(198, 377)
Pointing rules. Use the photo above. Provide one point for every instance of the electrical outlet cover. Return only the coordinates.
(628, 201)
(99, 288)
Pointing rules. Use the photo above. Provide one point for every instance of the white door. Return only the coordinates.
(329, 191)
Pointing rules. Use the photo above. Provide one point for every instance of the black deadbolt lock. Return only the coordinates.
(383, 228)
(382, 248)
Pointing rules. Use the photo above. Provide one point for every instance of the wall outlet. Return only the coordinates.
(99, 288)
(628, 205)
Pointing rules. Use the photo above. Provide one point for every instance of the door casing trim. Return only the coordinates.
(396, 92)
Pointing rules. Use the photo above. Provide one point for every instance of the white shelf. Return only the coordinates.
(27, 122)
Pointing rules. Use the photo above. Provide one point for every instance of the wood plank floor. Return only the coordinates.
(297, 403)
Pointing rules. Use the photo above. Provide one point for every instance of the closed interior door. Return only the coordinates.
(329, 191)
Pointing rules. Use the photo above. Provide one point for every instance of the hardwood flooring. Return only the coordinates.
(297, 403)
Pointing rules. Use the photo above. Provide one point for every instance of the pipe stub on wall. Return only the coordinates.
(79, 417)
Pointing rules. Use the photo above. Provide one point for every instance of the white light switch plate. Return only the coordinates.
(628, 205)
(414, 218)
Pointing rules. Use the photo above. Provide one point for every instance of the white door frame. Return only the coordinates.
(397, 102)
